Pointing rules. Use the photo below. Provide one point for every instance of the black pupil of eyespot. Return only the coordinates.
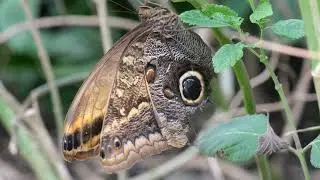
(191, 88)
(102, 154)
(117, 144)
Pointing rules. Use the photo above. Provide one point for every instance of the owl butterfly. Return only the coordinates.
(138, 100)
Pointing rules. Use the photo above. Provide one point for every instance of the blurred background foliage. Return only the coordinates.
(75, 50)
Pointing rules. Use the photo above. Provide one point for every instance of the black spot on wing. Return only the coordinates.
(73, 141)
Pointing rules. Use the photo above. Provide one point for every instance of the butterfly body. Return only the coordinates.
(131, 106)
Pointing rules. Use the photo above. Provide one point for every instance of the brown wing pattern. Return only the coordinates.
(85, 116)
(130, 131)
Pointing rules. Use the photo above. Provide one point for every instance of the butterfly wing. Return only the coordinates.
(130, 131)
(85, 117)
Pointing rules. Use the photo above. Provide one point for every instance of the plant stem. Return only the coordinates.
(300, 155)
(307, 147)
(241, 75)
(24, 141)
(244, 83)
(217, 95)
(313, 128)
(304, 165)
(251, 4)
(310, 14)
(284, 101)
(264, 167)
(249, 102)
(287, 109)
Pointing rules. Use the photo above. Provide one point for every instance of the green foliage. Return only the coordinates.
(227, 56)
(223, 14)
(196, 17)
(73, 44)
(237, 140)
(291, 28)
(11, 13)
(315, 152)
(213, 16)
(261, 13)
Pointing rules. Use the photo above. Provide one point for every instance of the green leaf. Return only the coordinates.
(291, 28)
(241, 138)
(261, 13)
(213, 9)
(315, 152)
(196, 17)
(224, 14)
(213, 16)
(227, 56)
(237, 140)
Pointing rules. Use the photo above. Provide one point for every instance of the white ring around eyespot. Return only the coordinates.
(200, 77)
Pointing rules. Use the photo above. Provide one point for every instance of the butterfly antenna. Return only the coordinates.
(130, 10)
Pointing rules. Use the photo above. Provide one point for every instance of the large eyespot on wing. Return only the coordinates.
(85, 117)
(191, 87)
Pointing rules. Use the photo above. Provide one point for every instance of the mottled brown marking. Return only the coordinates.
(91, 102)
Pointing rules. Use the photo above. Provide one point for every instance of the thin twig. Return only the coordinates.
(313, 128)
(168, 166)
(117, 22)
(24, 140)
(36, 124)
(6, 96)
(277, 47)
(280, 91)
(68, 20)
(104, 28)
(47, 69)
(38, 128)
(301, 88)
(43, 89)
(215, 168)
(265, 107)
